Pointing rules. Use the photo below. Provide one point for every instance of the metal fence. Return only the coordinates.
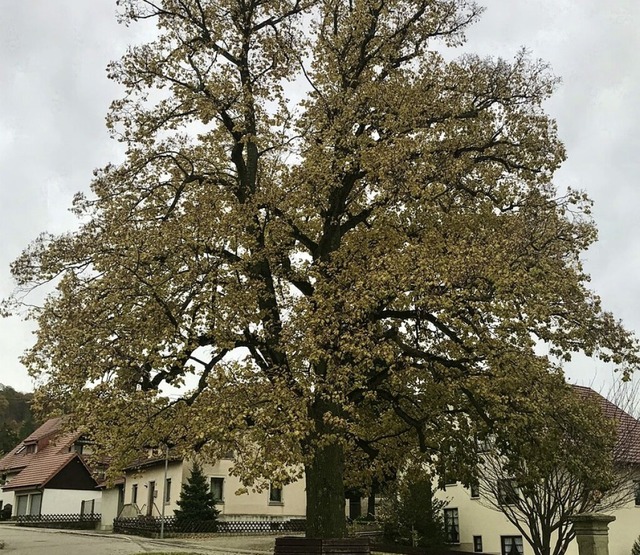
(150, 526)
(64, 521)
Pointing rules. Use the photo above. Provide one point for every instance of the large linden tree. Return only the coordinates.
(331, 247)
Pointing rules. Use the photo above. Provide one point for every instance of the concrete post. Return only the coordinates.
(592, 533)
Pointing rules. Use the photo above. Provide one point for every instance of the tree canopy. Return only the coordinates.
(330, 247)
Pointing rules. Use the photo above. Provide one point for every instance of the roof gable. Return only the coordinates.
(41, 456)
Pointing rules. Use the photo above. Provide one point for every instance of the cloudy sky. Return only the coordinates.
(54, 95)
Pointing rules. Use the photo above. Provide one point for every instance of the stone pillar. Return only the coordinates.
(592, 533)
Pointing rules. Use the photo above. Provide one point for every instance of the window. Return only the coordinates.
(23, 503)
(81, 446)
(217, 489)
(507, 492)
(474, 490)
(451, 526)
(450, 478)
(36, 504)
(477, 544)
(31, 448)
(134, 494)
(511, 545)
(275, 495)
(167, 490)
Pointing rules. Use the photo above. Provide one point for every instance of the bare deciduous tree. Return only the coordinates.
(585, 459)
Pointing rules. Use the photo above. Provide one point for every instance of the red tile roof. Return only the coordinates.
(50, 427)
(627, 449)
(47, 437)
(51, 455)
(40, 471)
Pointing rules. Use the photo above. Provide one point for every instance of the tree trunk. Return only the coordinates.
(325, 493)
(371, 505)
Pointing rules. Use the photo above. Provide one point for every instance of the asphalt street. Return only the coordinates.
(32, 541)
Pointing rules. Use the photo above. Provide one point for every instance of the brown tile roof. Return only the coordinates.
(145, 462)
(40, 471)
(51, 456)
(49, 436)
(105, 484)
(50, 427)
(627, 449)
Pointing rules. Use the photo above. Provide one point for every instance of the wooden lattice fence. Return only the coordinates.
(150, 527)
(62, 521)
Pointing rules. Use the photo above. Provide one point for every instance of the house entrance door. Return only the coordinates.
(152, 495)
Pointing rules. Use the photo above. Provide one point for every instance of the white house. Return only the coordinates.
(46, 474)
(476, 527)
(147, 490)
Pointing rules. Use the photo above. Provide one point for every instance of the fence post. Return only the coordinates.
(592, 533)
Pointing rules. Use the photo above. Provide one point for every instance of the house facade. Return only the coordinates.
(148, 490)
(479, 528)
(46, 474)
(475, 525)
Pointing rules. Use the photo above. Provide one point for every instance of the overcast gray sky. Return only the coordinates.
(54, 95)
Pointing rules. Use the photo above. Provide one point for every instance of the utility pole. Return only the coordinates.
(164, 488)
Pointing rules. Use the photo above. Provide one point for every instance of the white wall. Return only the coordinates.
(67, 501)
(7, 497)
(249, 506)
(624, 531)
(254, 505)
(477, 519)
(156, 474)
(109, 506)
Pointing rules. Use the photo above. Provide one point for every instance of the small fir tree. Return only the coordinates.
(197, 503)
(635, 550)
(411, 515)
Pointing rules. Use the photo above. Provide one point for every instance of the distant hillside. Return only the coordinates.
(16, 420)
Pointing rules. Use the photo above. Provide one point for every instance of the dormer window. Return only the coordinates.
(31, 448)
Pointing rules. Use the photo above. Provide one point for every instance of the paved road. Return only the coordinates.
(33, 541)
